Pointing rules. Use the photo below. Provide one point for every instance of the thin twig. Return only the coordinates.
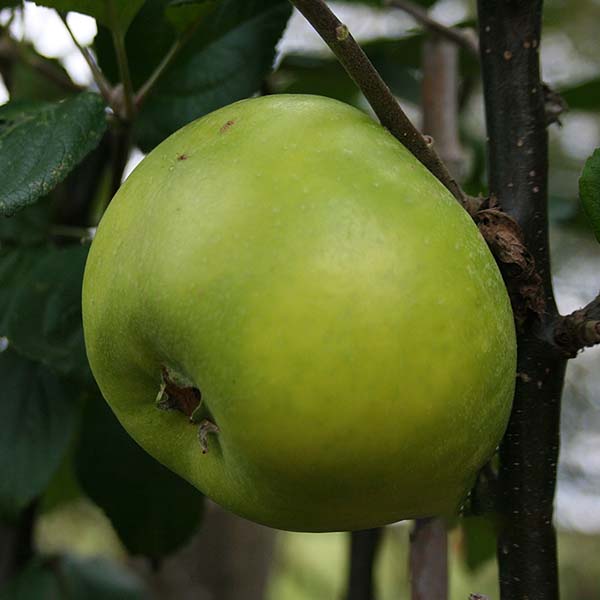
(125, 74)
(364, 546)
(378, 94)
(440, 100)
(101, 81)
(579, 330)
(465, 38)
(165, 63)
(429, 560)
(155, 75)
(120, 149)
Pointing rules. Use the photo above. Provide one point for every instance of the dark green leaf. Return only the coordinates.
(115, 14)
(589, 191)
(13, 267)
(29, 227)
(226, 59)
(63, 487)
(302, 74)
(41, 142)
(479, 541)
(35, 581)
(38, 414)
(67, 577)
(398, 61)
(37, 78)
(153, 510)
(44, 317)
(583, 96)
(184, 14)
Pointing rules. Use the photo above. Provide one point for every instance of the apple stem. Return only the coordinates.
(466, 38)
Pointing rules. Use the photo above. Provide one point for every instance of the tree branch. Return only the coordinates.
(384, 104)
(518, 168)
(440, 100)
(429, 540)
(363, 551)
(465, 38)
(429, 560)
(127, 110)
(102, 83)
(579, 330)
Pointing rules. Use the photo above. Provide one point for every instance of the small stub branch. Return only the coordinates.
(579, 330)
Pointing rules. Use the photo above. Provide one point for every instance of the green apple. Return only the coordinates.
(287, 309)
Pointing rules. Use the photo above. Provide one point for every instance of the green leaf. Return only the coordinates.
(13, 266)
(398, 61)
(583, 96)
(225, 59)
(27, 82)
(479, 541)
(67, 577)
(41, 142)
(63, 487)
(44, 314)
(29, 227)
(303, 74)
(35, 581)
(114, 14)
(38, 414)
(153, 510)
(183, 14)
(589, 191)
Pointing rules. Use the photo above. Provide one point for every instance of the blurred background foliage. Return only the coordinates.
(101, 545)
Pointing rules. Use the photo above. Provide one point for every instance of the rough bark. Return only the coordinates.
(518, 164)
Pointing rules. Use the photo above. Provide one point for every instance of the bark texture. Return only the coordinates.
(518, 167)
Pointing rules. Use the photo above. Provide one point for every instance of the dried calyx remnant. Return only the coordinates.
(506, 241)
(178, 393)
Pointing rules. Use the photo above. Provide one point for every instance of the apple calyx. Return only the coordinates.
(177, 393)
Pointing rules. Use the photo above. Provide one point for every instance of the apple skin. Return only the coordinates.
(340, 313)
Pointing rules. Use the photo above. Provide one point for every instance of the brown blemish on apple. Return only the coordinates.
(175, 397)
(185, 399)
(226, 126)
(182, 157)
